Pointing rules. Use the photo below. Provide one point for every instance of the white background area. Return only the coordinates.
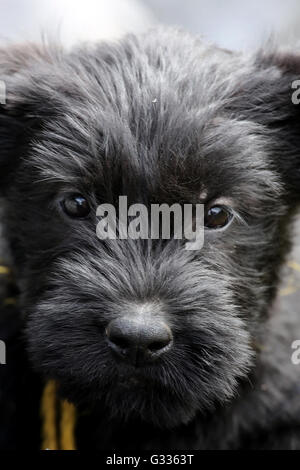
(236, 24)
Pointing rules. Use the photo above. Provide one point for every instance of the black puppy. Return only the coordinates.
(157, 345)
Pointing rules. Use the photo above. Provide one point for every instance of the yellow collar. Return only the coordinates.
(58, 420)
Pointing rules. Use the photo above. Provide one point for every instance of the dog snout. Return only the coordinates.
(139, 341)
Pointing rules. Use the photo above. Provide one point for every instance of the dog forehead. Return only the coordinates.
(137, 112)
(219, 155)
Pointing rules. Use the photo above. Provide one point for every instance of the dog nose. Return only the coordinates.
(138, 341)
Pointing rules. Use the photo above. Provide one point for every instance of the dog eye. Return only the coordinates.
(217, 217)
(76, 206)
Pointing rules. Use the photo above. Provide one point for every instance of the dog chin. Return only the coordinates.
(132, 400)
(155, 410)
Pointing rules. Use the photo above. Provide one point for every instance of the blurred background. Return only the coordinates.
(235, 24)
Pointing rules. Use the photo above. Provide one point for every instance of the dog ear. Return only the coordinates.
(283, 106)
(16, 105)
(270, 96)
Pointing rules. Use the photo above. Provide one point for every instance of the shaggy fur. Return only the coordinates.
(160, 118)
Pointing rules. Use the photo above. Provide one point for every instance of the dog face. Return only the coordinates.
(147, 329)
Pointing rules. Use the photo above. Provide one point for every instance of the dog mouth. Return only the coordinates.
(134, 381)
(138, 378)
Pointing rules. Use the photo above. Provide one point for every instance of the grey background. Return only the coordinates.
(232, 23)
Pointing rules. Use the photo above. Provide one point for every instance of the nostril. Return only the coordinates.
(117, 338)
(158, 345)
(122, 343)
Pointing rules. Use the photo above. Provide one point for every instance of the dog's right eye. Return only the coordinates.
(217, 217)
(76, 206)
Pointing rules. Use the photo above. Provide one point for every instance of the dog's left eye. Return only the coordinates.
(76, 206)
(217, 217)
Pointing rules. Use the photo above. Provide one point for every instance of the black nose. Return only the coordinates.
(137, 340)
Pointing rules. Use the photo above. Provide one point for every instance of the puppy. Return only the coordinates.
(157, 346)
